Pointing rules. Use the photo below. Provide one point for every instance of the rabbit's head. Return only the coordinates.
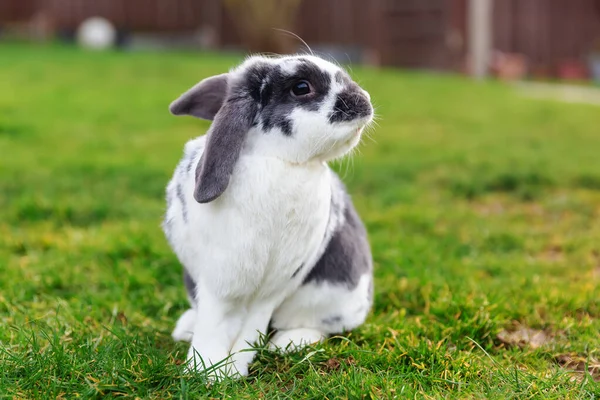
(296, 108)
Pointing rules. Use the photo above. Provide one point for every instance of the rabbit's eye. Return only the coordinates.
(301, 88)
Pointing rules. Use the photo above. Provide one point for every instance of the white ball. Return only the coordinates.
(96, 33)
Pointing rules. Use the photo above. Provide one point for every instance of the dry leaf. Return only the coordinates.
(524, 336)
(580, 364)
(122, 318)
(332, 364)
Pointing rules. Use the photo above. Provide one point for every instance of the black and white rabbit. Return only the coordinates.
(265, 230)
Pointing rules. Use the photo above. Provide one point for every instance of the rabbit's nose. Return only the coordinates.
(350, 105)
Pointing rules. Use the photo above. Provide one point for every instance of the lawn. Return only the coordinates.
(483, 209)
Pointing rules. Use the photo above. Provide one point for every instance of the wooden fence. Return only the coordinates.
(132, 15)
(421, 33)
(409, 33)
(547, 31)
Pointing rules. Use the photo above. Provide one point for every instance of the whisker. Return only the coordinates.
(345, 163)
(368, 132)
(297, 37)
(342, 99)
(269, 54)
(342, 111)
(368, 135)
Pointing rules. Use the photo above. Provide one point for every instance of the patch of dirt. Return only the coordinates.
(553, 253)
(580, 364)
(332, 364)
(523, 336)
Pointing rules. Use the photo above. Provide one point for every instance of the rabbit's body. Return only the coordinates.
(246, 245)
(264, 228)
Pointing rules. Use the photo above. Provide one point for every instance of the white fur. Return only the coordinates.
(294, 339)
(312, 303)
(184, 329)
(243, 248)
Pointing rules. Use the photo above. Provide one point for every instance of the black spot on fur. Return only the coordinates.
(265, 94)
(334, 319)
(190, 163)
(255, 76)
(277, 101)
(320, 80)
(190, 285)
(349, 105)
(339, 77)
(286, 127)
(347, 256)
(297, 271)
(168, 229)
(181, 198)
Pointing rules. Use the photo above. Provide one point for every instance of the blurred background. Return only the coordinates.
(511, 39)
(479, 186)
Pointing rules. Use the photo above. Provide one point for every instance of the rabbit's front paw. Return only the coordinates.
(228, 367)
(184, 330)
(291, 340)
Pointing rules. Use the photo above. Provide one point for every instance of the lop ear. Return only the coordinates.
(203, 100)
(223, 147)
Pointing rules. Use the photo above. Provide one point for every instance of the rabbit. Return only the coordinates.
(265, 230)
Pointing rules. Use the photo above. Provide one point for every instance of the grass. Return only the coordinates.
(483, 209)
